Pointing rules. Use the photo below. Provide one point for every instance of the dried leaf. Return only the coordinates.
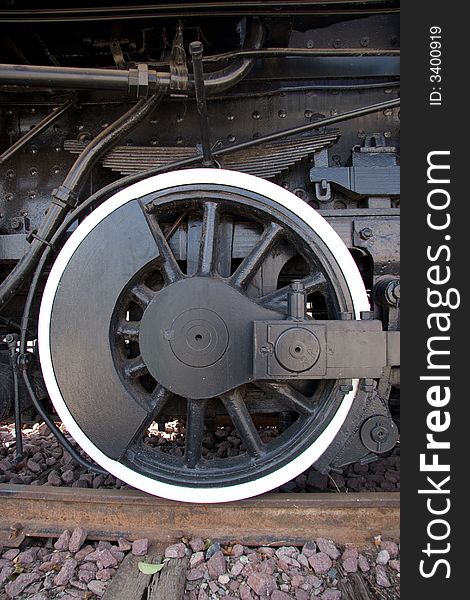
(377, 540)
(207, 544)
(149, 568)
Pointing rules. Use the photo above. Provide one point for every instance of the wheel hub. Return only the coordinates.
(196, 337)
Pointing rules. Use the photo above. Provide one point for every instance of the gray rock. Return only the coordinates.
(11, 554)
(107, 559)
(302, 560)
(196, 559)
(301, 594)
(85, 575)
(394, 564)
(140, 547)
(317, 480)
(382, 557)
(14, 588)
(5, 573)
(124, 545)
(118, 555)
(237, 569)
(237, 550)
(363, 563)
(195, 574)
(40, 596)
(105, 574)
(311, 582)
(381, 576)
(54, 479)
(223, 579)
(63, 541)
(390, 547)
(261, 584)
(176, 551)
(309, 549)
(212, 550)
(286, 551)
(244, 592)
(350, 564)
(28, 557)
(281, 595)
(66, 573)
(331, 595)
(328, 547)
(33, 466)
(97, 587)
(79, 585)
(320, 563)
(216, 565)
(196, 544)
(84, 552)
(77, 539)
(68, 476)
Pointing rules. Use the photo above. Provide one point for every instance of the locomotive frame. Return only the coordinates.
(304, 95)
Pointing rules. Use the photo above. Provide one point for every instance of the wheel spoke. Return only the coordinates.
(129, 330)
(252, 262)
(196, 410)
(135, 367)
(160, 396)
(288, 395)
(312, 283)
(208, 249)
(142, 295)
(243, 422)
(169, 265)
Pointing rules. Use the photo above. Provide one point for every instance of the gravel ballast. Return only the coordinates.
(49, 570)
(46, 463)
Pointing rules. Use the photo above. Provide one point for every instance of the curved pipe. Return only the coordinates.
(120, 80)
(72, 185)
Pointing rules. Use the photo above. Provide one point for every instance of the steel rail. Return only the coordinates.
(274, 519)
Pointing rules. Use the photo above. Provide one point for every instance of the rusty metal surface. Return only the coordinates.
(270, 519)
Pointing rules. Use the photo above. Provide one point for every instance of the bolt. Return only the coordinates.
(282, 114)
(15, 223)
(365, 41)
(337, 43)
(230, 117)
(231, 138)
(366, 233)
(308, 114)
(256, 115)
(309, 44)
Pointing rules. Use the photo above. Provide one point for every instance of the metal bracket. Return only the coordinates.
(343, 349)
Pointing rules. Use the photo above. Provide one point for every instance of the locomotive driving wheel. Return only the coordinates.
(148, 315)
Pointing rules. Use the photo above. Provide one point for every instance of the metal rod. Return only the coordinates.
(35, 131)
(12, 341)
(196, 49)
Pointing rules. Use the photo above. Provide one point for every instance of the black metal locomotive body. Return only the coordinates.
(263, 288)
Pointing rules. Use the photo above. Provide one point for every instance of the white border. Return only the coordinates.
(161, 182)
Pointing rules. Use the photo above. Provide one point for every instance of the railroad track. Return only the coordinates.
(271, 519)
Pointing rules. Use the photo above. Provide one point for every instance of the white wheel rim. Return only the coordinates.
(160, 182)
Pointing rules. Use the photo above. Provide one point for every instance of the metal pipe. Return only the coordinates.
(195, 49)
(37, 129)
(76, 78)
(121, 81)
